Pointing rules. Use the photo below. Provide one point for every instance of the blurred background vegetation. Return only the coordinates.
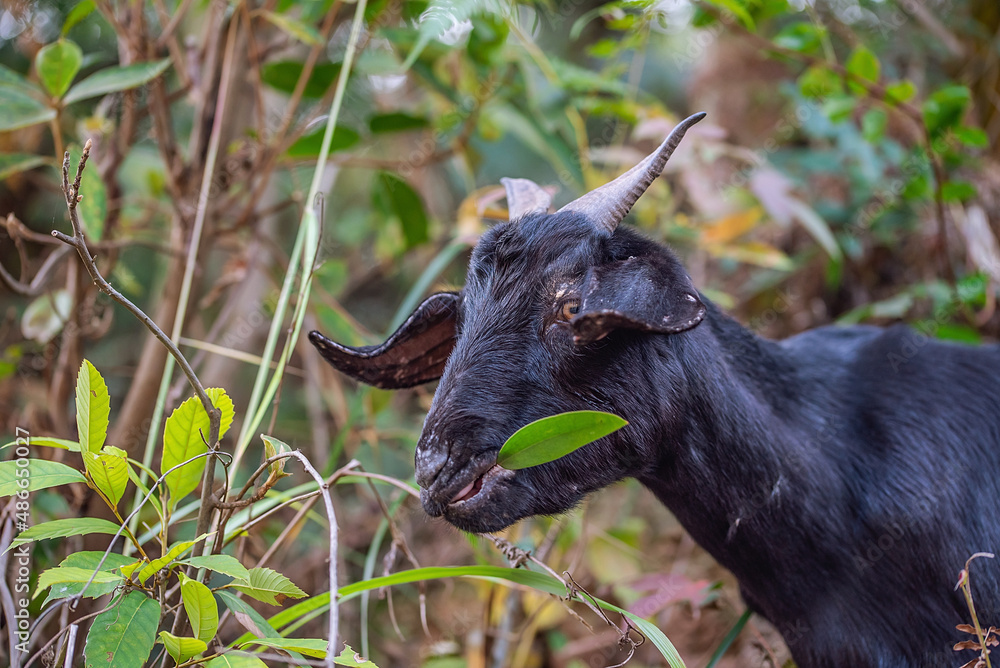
(847, 172)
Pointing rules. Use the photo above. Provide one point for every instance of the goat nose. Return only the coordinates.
(429, 460)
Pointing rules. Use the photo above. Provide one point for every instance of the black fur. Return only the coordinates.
(843, 475)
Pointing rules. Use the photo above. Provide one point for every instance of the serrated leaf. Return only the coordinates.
(87, 560)
(123, 635)
(115, 79)
(15, 163)
(201, 608)
(184, 437)
(235, 661)
(93, 406)
(42, 474)
(293, 27)
(555, 436)
(313, 647)
(180, 648)
(251, 620)
(220, 563)
(175, 551)
(57, 64)
(109, 473)
(268, 586)
(70, 574)
(19, 110)
(76, 526)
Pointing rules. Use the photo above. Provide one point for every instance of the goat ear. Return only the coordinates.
(638, 293)
(414, 354)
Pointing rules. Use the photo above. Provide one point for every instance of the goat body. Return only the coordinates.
(843, 475)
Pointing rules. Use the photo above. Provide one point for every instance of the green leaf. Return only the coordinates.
(123, 635)
(803, 37)
(14, 163)
(873, 125)
(839, 108)
(235, 661)
(88, 560)
(250, 618)
(283, 75)
(957, 191)
(539, 581)
(48, 442)
(396, 122)
(945, 107)
(900, 92)
(70, 574)
(819, 82)
(39, 474)
(313, 647)
(555, 436)
(272, 448)
(93, 208)
(738, 9)
(181, 649)
(93, 406)
(184, 437)
(268, 586)
(220, 563)
(57, 64)
(394, 196)
(308, 146)
(292, 27)
(863, 64)
(439, 17)
(114, 79)
(18, 110)
(487, 39)
(177, 550)
(109, 472)
(81, 11)
(972, 136)
(348, 657)
(201, 608)
(74, 526)
(11, 80)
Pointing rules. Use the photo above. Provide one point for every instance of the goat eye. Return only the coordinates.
(569, 308)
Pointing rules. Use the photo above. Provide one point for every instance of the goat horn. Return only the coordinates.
(524, 196)
(608, 205)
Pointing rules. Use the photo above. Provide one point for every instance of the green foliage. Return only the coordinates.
(123, 635)
(556, 436)
(185, 436)
(39, 474)
(268, 586)
(57, 64)
(93, 406)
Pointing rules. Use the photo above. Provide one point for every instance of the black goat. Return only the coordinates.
(843, 475)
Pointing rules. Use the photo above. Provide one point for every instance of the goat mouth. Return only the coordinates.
(473, 489)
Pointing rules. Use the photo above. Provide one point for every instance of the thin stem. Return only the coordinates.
(77, 241)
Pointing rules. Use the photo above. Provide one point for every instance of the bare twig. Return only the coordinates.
(73, 197)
